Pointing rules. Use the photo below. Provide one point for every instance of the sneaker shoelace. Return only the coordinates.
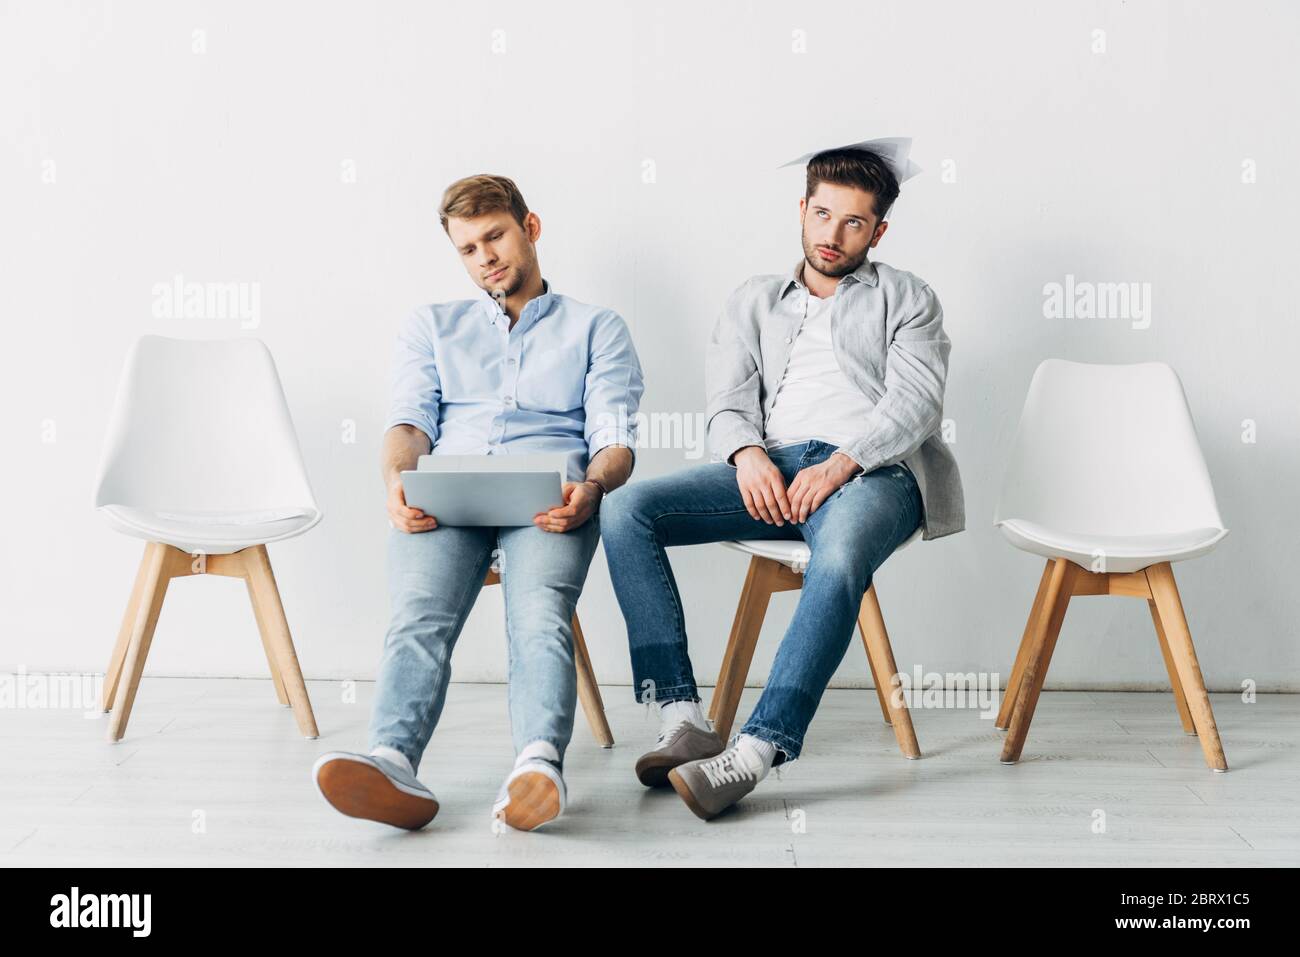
(669, 730)
(727, 768)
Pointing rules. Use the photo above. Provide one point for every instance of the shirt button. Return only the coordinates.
(509, 399)
(511, 361)
(788, 340)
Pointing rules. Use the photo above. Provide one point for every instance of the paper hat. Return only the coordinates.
(893, 150)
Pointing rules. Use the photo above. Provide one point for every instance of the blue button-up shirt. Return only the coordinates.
(565, 379)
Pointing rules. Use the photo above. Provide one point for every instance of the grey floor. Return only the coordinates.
(213, 772)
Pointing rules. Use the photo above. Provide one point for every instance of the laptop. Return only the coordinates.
(496, 490)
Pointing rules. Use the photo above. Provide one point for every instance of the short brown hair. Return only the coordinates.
(476, 195)
(860, 169)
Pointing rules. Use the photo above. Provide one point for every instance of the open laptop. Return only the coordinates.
(485, 489)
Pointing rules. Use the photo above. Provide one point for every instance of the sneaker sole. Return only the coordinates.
(360, 790)
(652, 769)
(684, 792)
(534, 800)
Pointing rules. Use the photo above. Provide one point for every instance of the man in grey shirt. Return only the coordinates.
(825, 402)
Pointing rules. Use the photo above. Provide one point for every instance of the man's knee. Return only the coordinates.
(841, 559)
(540, 627)
(624, 509)
(427, 618)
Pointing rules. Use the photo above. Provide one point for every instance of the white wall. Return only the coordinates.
(1117, 166)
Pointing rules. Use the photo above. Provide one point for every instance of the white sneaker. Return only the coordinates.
(534, 792)
(371, 787)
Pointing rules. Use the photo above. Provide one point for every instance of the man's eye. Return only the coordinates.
(855, 222)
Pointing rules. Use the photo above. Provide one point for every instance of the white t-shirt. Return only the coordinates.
(815, 399)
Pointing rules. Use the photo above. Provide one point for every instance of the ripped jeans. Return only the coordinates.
(850, 535)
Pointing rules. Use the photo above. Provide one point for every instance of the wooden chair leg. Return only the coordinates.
(1022, 653)
(280, 694)
(153, 589)
(882, 684)
(266, 598)
(1039, 656)
(1180, 700)
(114, 671)
(1169, 606)
(881, 658)
(728, 656)
(588, 691)
(744, 637)
(875, 680)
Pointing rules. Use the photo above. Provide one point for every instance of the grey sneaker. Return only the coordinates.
(711, 785)
(367, 786)
(677, 744)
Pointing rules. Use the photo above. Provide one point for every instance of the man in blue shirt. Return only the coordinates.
(519, 369)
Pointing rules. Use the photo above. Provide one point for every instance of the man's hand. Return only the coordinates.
(401, 516)
(761, 486)
(816, 483)
(580, 501)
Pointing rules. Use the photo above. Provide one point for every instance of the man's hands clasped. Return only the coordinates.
(762, 488)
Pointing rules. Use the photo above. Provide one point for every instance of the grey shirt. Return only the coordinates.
(887, 334)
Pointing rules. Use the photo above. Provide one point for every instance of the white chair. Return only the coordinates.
(202, 462)
(775, 566)
(1107, 482)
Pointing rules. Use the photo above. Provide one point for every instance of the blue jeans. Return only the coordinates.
(850, 536)
(433, 580)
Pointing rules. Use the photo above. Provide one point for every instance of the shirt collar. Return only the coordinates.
(541, 305)
(866, 273)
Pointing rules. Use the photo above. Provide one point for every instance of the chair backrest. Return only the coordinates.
(201, 425)
(1107, 450)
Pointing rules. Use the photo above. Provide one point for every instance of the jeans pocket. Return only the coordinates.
(814, 453)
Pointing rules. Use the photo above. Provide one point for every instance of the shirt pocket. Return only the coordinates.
(553, 379)
(775, 342)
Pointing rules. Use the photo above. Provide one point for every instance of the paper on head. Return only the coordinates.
(893, 150)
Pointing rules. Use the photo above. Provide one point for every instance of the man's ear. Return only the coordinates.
(880, 233)
(532, 227)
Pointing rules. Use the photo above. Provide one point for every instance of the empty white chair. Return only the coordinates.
(777, 565)
(202, 462)
(1106, 480)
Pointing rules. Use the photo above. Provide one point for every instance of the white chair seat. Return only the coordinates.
(793, 554)
(208, 533)
(1122, 553)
